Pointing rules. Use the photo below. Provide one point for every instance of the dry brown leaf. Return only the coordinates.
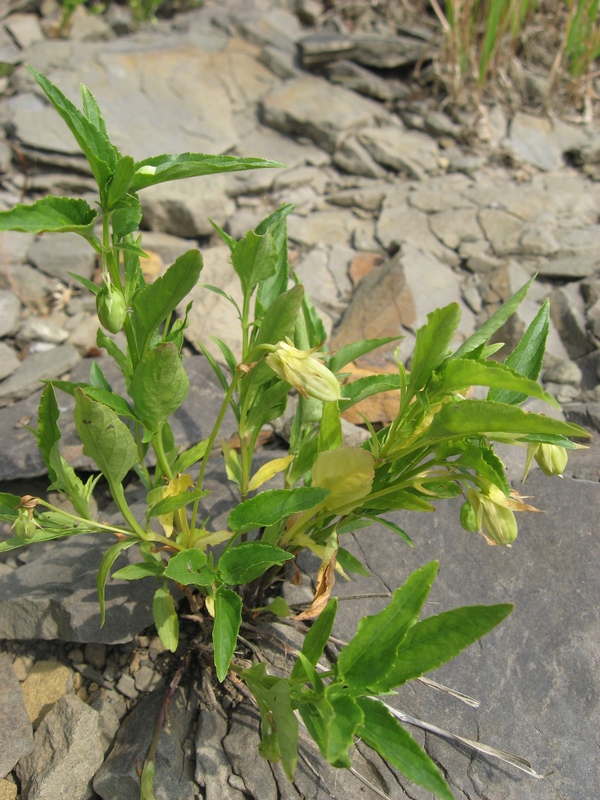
(325, 582)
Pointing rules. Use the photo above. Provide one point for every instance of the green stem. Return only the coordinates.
(179, 515)
(102, 525)
(116, 490)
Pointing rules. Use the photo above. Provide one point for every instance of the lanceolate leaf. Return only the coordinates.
(153, 304)
(108, 559)
(165, 618)
(527, 357)
(94, 143)
(159, 169)
(285, 724)
(465, 417)
(433, 345)
(51, 215)
(355, 350)
(355, 391)
(317, 637)
(105, 438)
(340, 726)
(254, 258)
(385, 735)
(370, 655)
(267, 508)
(494, 323)
(249, 560)
(228, 618)
(436, 640)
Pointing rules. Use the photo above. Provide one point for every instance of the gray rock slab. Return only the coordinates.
(324, 273)
(57, 256)
(333, 227)
(455, 226)
(10, 310)
(28, 283)
(213, 769)
(8, 360)
(183, 209)
(532, 140)
(400, 226)
(535, 675)
(43, 366)
(380, 51)
(67, 753)
(502, 230)
(16, 737)
(401, 150)
(364, 81)
(351, 157)
(118, 778)
(53, 596)
(441, 193)
(311, 107)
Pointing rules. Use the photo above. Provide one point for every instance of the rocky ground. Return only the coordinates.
(400, 207)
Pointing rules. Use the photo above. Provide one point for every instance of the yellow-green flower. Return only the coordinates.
(552, 459)
(304, 371)
(495, 517)
(347, 472)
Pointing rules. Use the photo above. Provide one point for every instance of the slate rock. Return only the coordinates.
(8, 361)
(47, 365)
(25, 29)
(364, 81)
(213, 769)
(67, 752)
(567, 309)
(334, 227)
(535, 674)
(532, 140)
(16, 738)
(379, 51)
(10, 310)
(32, 286)
(46, 683)
(57, 256)
(307, 106)
(183, 209)
(350, 156)
(118, 778)
(400, 226)
(400, 150)
(54, 596)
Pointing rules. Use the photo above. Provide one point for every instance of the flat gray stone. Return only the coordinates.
(311, 107)
(58, 255)
(16, 737)
(118, 777)
(532, 140)
(10, 310)
(333, 227)
(455, 226)
(8, 361)
(183, 209)
(213, 769)
(502, 230)
(364, 81)
(67, 753)
(535, 675)
(403, 226)
(401, 150)
(44, 366)
(350, 156)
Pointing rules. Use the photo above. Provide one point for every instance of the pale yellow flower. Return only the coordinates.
(304, 371)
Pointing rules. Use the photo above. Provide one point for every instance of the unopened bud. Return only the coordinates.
(24, 526)
(495, 520)
(111, 307)
(468, 517)
(304, 371)
(552, 459)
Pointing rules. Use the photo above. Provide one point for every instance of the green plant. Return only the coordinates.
(440, 445)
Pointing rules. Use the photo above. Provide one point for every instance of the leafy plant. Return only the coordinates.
(440, 445)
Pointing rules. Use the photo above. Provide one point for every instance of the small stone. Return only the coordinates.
(25, 29)
(10, 309)
(41, 330)
(16, 735)
(502, 230)
(9, 361)
(400, 150)
(147, 679)
(95, 654)
(563, 372)
(351, 157)
(22, 667)
(58, 256)
(126, 685)
(46, 683)
(8, 790)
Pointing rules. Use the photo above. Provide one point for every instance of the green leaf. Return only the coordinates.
(370, 655)
(105, 342)
(393, 527)
(120, 181)
(225, 237)
(340, 726)
(254, 259)
(159, 299)
(381, 731)
(8, 505)
(476, 417)
(350, 563)
(285, 725)
(110, 399)
(48, 432)
(358, 390)
(494, 323)
(269, 507)
(270, 403)
(280, 318)
(159, 386)
(527, 357)
(145, 569)
(316, 638)
(191, 456)
(105, 438)
(249, 560)
(159, 169)
(174, 502)
(228, 618)
(94, 143)
(436, 640)
(51, 215)
(355, 350)
(91, 110)
(165, 618)
(432, 345)
(461, 373)
(400, 499)
(126, 218)
(108, 559)
(190, 567)
(270, 288)
(330, 430)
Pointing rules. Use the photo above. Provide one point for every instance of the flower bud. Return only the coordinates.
(111, 307)
(304, 371)
(496, 520)
(551, 459)
(24, 526)
(468, 517)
